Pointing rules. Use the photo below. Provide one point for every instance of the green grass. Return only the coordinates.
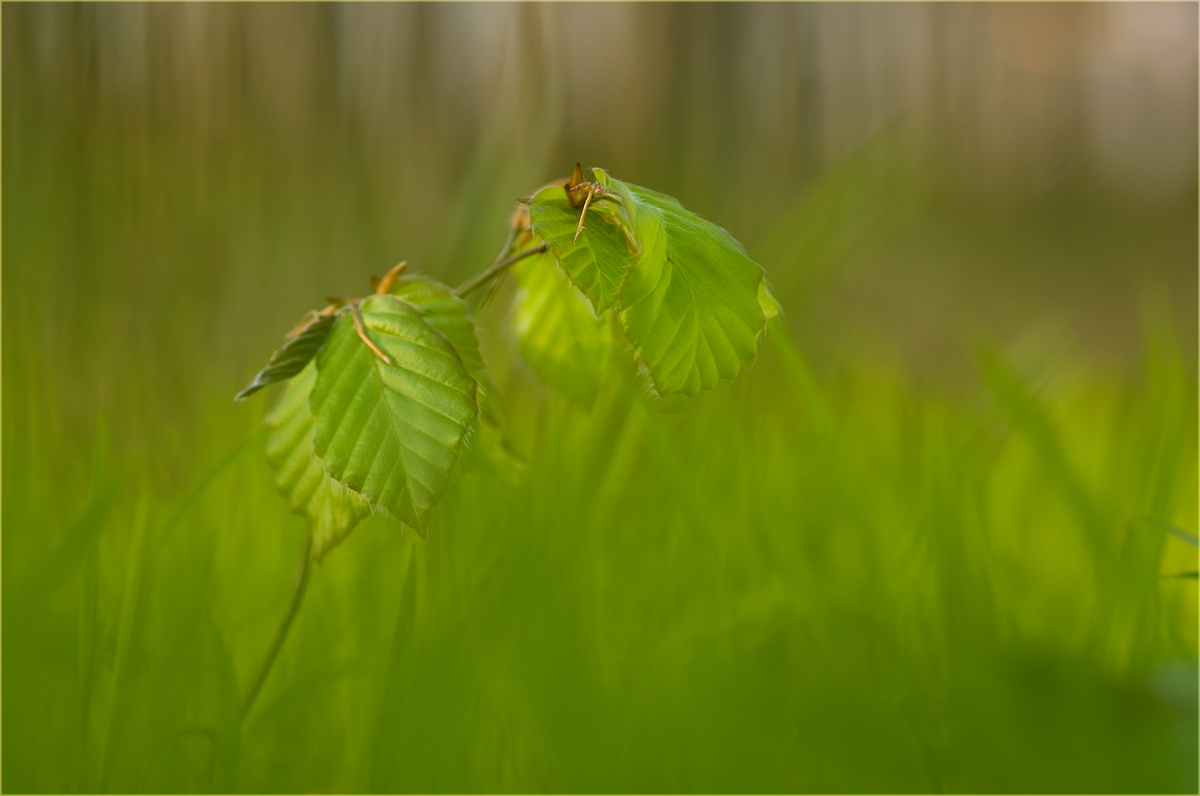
(793, 583)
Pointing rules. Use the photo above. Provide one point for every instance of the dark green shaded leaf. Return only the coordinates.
(289, 360)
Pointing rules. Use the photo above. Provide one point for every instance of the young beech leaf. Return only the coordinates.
(332, 509)
(690, 303)
(557, 333)
(447, 314)
(294, 355)
(391, 432)
(596, 262)
(488, 445)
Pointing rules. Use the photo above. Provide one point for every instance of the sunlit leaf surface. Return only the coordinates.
(557, 333)
(691, 303)
(488, 446)
(596, 262)
(447, 314)
(392, 431)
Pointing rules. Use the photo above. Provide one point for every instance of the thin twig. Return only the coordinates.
(361, 328)
(514, 229)
(299, 586)
(466, 288)
(492, 291)
(508, 244)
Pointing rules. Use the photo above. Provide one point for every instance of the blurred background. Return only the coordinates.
(921, 182)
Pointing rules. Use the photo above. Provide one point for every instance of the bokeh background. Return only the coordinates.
(929, 543)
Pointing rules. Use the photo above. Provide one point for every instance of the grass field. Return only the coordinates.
(929, 543)
(791, 584)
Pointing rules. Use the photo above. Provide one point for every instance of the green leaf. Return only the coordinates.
(557, 333)
(447, 314)
(595, 263)
(332, 509)
(691, 301)
(488, 445)
(391, 431)
(293, 356)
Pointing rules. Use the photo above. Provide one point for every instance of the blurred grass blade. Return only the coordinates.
(853, 207)
(812, 403)
(1023, 407)
(45, 576)
(210, 477)
(1178, 533)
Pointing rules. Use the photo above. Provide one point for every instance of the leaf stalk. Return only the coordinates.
(498, 268)
(299, 587)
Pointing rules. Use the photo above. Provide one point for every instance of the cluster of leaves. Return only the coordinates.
(385, 390)
(684, 294)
